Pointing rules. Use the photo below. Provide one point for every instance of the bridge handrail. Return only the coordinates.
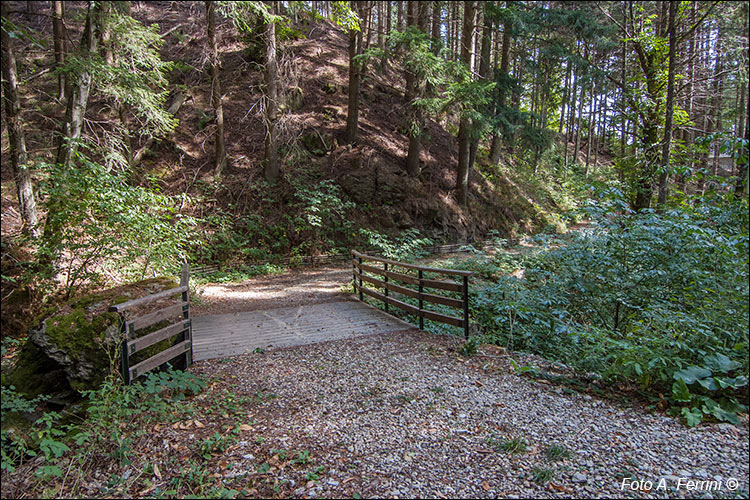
(454, 272)
(359, 269)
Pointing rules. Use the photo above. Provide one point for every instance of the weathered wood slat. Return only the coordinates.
(147, 299)
(435, 299)
(161, 358)
(442, 318)
(405, 278)
(157, 336)
(454, 272)
(390, 300)
(439, 284)
(156, 316)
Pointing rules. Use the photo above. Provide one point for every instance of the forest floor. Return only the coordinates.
(401, 415)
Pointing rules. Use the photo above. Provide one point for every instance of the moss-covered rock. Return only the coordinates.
(72, 347)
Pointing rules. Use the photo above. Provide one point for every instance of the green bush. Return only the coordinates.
(641, 298)
(408, 246)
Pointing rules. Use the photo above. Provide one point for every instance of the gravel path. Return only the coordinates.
(402, 415)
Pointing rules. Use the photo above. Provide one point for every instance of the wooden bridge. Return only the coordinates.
(224, 335)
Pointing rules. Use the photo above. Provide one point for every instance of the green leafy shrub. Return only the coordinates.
(641, 298)
(406, 247)
(97, 220)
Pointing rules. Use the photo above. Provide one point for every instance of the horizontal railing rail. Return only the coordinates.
(386, 278)
(181, 325)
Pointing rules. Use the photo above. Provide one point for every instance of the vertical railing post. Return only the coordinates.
(385, 278)
(466, 307)
(360, 278)
(421, 317)
(124, 355)
(188, 335)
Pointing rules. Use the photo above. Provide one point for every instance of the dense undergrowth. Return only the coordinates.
(654, 299)
(115, 446)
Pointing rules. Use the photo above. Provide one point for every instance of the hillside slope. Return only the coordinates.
(315, 68)
(371, 174)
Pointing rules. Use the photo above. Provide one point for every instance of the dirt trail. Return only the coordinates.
(306, 286)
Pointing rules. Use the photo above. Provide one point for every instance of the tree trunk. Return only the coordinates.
(271, 166)
(437, 11)
(60, 44)
(79, 92)
(16, 139)
(415, 115)
(484, 73)
(462, 178)
(590, 135)
(400, 21)
(455, 25)
(578, 123)
(718, 89)
(352, 116)
(496, 144)
(602, 129)
(663, 175)
(564, 99)
(388, 17)
(422, 16)
(220, 161)
(381, 27)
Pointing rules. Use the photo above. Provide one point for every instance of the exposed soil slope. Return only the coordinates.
(315, 67)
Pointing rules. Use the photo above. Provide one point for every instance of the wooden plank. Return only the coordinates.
(403, 305)
(154, 361)
(435, 299)
(405, 278)
(147, 299)
(369, 269)
(442, 285)
(446, 301)
(156, 316)
(454, 272)
(442, 318)
(157, 336)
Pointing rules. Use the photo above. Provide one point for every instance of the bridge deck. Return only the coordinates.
(222, 335)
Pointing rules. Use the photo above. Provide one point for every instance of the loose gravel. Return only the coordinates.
(403, 415)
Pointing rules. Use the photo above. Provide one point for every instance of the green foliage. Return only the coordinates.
(708, 389)
(406, 247)
(138, 75)
(345, 17)
(469, 348)
(656, 299)
(133, 75)
(542, 475)
(512, 446)
(324, 221)
(214, 444)
(15, 443)
(97, 220)
(242, 273)
(556, 452)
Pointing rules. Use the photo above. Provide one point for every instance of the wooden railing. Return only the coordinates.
(132, 343)
(389, 275)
